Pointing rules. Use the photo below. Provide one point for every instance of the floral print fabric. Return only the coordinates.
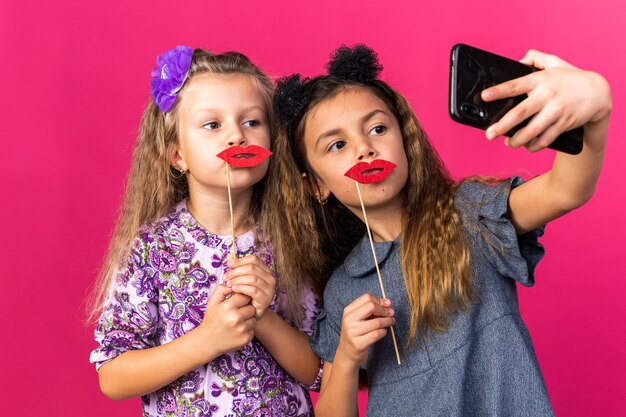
(161, 294)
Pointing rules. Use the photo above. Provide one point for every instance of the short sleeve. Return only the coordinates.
(310, 311)
(325, 338)
(484, 213)
(129, 318)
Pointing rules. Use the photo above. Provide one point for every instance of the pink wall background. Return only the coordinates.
(74, 82)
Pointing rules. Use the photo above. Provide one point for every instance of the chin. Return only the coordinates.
(245, 180)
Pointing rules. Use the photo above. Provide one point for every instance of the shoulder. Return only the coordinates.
(345, 281)
(164, 226)
(157, 238)
(154, 251)
(479, 198)
(484, 211)
(349, 268)
(479, 191)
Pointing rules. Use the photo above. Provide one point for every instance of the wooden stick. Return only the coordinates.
(380, 279)
(230, 205)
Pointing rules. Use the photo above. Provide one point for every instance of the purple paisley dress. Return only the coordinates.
(161, 294)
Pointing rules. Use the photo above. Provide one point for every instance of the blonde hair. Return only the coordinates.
(154, 187)
(435, 254)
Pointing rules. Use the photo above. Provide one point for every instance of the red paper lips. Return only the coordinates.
(244, 157)
(368, 173)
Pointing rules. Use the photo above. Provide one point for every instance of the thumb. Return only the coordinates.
(219, 295)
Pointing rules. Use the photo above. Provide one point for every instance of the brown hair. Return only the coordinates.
(435, 253)
(154, 187)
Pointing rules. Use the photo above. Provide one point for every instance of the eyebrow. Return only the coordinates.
(333, 132)
(243, 111)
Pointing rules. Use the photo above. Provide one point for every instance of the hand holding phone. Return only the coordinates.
(473, 70)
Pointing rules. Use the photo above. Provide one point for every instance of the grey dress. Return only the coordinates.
(485, 364)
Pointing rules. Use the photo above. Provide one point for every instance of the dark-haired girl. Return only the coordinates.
(450, 253)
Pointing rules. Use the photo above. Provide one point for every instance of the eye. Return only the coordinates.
(252, 123)
(378, 130)
(211, 125)
(336, 146)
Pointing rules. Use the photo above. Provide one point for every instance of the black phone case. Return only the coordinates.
(471, 71)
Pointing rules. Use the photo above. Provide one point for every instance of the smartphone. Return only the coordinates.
(471, 71)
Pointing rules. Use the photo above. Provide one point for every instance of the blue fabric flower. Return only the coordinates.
(169, 75)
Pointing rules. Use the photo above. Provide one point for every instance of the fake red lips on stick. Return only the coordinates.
(244, 157)
(240, 157)
(369, 173)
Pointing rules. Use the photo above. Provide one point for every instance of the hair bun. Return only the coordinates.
(359, 63)
(290, 97)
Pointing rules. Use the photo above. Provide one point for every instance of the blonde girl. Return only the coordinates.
(190, 330)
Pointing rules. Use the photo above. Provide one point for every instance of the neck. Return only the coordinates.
(385, 222)
(211, 209)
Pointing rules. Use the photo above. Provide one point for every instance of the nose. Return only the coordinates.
(236, 136)
(364, 149)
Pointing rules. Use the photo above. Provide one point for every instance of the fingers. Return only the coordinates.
(235, 316)
(219, 294)
(548, 104)
(372, 309)
(249, 270)
(512, 88)
(545, 139)
(240, 324)
(253, 277)
(367, 305)
(365, 298)
(247, 312)
(544, 126)
(523, 85)
(367, 326)
(228, 322)
(542, 60)
(242, 318)
(359, 335)
(236, 263)
(365, 321)
(513, 117)
(537, 125)
(261, 295)
(238, 300)
(253, 291)
(369, 338)
(534, 58)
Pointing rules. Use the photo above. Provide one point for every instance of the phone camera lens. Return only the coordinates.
(469, 109)
(474, 111)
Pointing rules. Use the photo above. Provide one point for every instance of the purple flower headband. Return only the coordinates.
(169, 75)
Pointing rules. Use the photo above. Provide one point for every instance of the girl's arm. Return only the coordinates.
(364, 322)
(227, 325)
(289, 347)
(561, 97)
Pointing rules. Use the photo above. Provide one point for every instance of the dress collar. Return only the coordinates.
(360, 262)
(244, 241)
